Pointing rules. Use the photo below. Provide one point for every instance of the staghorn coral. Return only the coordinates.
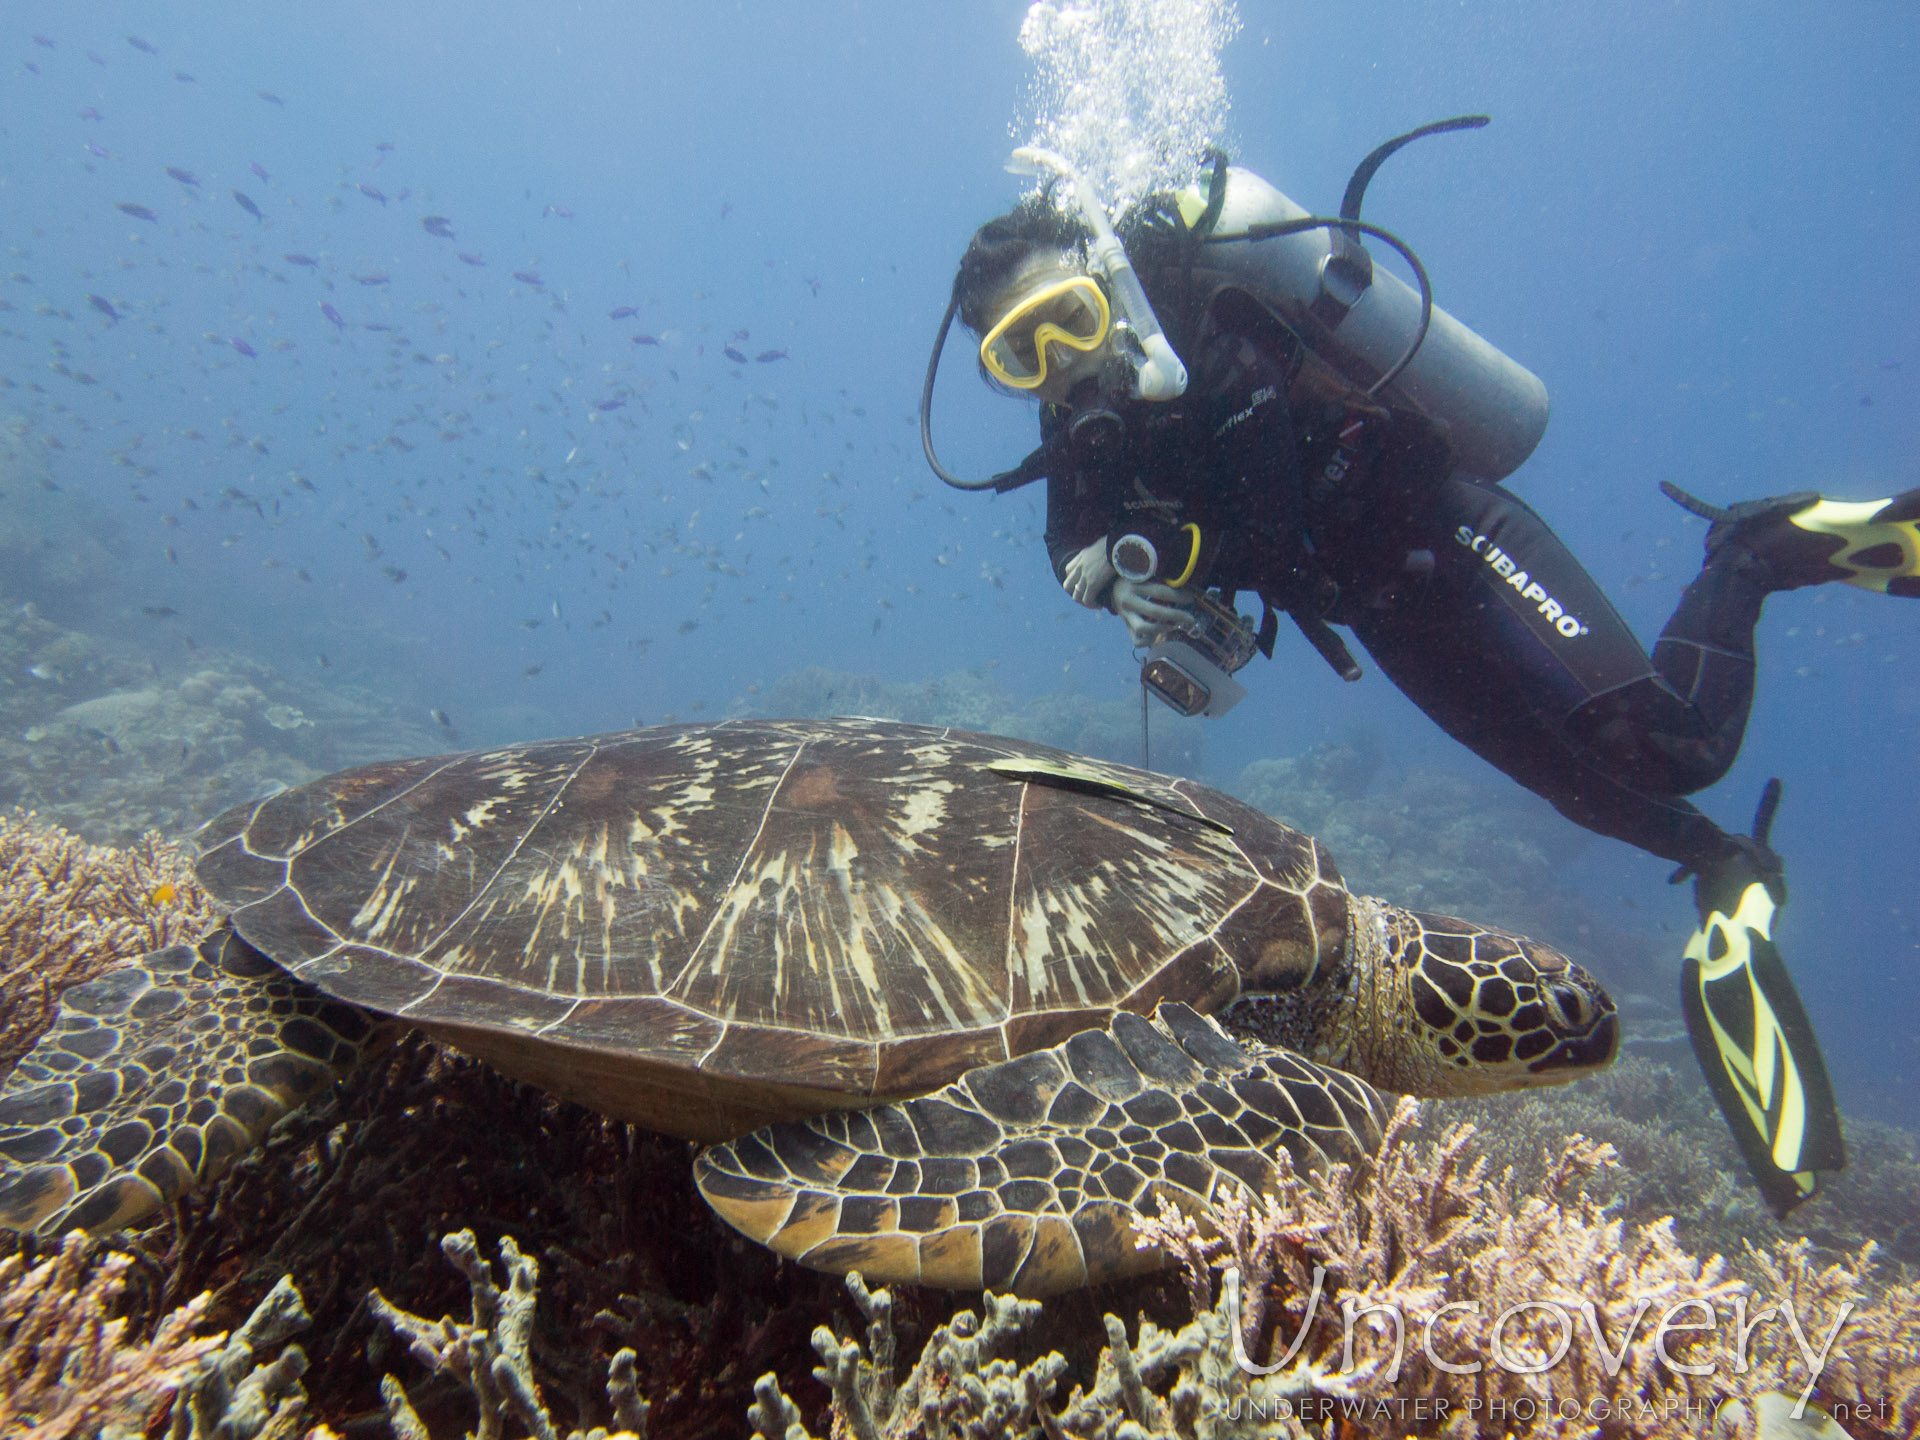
(1467, 1269)
(1160, 1385)
(230, 1395)
(353, 1194)
(1548, 1309)
(490, 1355)
(1873, 1375)
(67, 1371)
(1678, 1160)
(70, 910)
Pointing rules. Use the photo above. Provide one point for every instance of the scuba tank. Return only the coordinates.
(1361, 318)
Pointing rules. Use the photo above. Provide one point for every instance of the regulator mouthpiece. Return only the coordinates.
(1157, 371)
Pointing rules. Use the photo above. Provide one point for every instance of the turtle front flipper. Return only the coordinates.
(1025, 1175)
(156, 1076)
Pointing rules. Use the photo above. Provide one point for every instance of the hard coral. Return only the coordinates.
(1415, 1295)
(490, 1355)
(70, 910)
(233, 1395)
(354, 1194)
(1538, 1292)
(67, 1372)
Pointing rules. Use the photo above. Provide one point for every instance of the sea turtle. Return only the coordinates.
(811, 927)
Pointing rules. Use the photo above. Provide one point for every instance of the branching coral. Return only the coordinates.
(1469, 1291)
(1159, 1385)
(490, 1355)
(1415, 1295)
(232, 1395)
(66, 1370)
(1677, 1159)
(70, 910)
(1873, 1373)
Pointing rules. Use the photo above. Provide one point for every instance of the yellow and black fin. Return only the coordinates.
(1879, 540)
(1751, 1033)
(1807, 539)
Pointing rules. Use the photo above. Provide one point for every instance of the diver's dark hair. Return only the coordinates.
(1001, 246)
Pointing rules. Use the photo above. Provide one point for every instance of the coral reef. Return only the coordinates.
(231, 1395)
(69, 910)
(1413, 1296)
(1435, 840)
(54, 543)
(971, 700)
(98, 736)
(354, 1194)
(490, 1355)
(1677, 1159)
(67, 1370)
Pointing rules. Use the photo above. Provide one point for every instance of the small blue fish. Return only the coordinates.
(247, 205)
(138, 212)
(184, 78)
(378, 277)
(97, 152)
(558, 210)
(243, 347)
(646, 339)
(143, 46)
(733, 355)
(306, 260)
(333, 315)
(261, 171)
(624, 312)
(371, 193)
(438, 226)
(185, 177)
(105, 307)
(466, 259)
(270, 97)
(766, 355)
(529, 277)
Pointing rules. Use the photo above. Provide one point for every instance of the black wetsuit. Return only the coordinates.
(1325, 504)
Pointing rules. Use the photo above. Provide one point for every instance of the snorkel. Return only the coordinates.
(1157, 371)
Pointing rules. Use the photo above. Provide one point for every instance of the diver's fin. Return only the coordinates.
(1750, 1031)
(1807, 539)
(1879, 541)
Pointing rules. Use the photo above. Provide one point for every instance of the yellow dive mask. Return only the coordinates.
(1071, 312)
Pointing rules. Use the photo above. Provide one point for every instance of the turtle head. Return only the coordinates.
(1434, 1006)
(1461, 1009)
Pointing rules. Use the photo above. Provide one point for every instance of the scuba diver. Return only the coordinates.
(1235, 402)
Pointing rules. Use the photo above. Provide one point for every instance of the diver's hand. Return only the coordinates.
(1089, 573)
(1152, 610)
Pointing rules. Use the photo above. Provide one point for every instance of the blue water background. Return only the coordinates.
(1697, 222)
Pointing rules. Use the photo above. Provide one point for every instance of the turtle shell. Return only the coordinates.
(703, 928)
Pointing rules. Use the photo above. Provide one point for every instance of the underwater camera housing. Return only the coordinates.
(1193, 673)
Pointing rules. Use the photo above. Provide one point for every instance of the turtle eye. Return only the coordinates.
(1571, 1007)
